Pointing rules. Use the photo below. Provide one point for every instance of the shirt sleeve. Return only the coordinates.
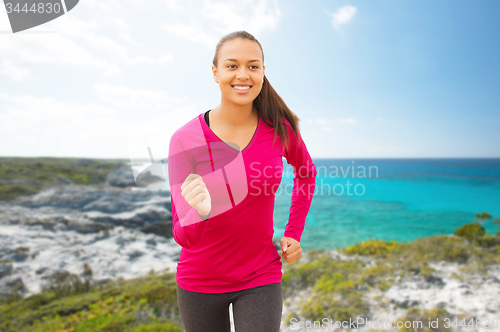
(187, 224)
(304, 182)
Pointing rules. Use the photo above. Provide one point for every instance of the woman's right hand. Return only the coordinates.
(195, 192)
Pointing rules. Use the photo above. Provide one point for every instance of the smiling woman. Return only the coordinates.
(242, 72)
(238, 67)
(222, 215)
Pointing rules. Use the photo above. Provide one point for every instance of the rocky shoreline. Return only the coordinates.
(112, 230)
(117, 230)
(476, 296)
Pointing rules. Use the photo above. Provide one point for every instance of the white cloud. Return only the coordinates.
(102, 6)
(343, 16)
(47, 117)
(79, 43)
(265, 16)
(123, 96)
(173, 4)
(224, 17)
(223, 13)
(330, 124)
(243, 15)
(120, 23)
(48, 126)
(168, 58)
(52, 49)
(347, 120)
(107, 37)
(117, 6)
(193, 31)
(16, 73)
(90, 33)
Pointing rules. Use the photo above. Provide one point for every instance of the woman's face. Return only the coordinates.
(240, 71)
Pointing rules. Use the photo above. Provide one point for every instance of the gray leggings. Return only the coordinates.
(256, 309)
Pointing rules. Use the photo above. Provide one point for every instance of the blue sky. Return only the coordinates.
(368, 79)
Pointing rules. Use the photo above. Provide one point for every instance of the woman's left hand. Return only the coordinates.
(292, 251)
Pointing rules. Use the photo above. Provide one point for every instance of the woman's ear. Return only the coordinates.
(214, 71)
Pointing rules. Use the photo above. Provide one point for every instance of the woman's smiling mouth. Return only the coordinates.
(241, 88)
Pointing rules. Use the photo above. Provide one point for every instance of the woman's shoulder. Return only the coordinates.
(192, 126)
(191, 133)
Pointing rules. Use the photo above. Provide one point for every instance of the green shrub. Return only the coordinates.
(105, 323)
(488, 241)
(419, 320)
(158, 327)
(40, 173)
(376, 274)
(9, 192)
(298, 276)
(122, 305)
(65, 284)
(337, 286)
(483, 215)
(371, 248)
(434, 248)
(426, 270)
(80, 178)
(470, 231)
(338, 307)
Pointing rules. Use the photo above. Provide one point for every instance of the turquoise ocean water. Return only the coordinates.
(393, 199)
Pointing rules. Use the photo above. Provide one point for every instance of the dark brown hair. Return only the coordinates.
(268, 103)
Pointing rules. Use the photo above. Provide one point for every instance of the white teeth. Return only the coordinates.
(241, 87)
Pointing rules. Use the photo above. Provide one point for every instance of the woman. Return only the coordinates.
(225, 166)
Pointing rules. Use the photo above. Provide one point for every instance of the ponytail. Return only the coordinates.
(272, 109)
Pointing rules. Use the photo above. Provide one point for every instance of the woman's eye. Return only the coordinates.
(234, 66)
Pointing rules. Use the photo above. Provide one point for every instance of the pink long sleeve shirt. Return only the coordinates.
(233, 250)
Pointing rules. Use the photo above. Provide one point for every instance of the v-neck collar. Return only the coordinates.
(249, 145)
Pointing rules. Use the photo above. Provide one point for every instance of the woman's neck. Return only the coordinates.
(234, 115)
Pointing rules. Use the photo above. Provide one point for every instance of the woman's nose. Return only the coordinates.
(242, 74)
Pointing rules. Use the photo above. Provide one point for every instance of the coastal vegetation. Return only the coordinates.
(347, 286)
(27, 176)
(339, 287)
(346, 283)
(145, 304)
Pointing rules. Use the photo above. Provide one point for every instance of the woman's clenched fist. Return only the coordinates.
(195, 192)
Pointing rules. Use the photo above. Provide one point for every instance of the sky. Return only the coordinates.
(368, 79)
